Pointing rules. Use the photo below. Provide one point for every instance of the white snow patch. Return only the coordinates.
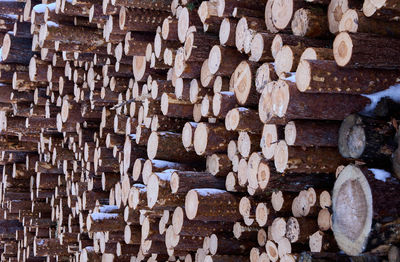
(133, 136)
(139, 185)
(51, 6)
(166, 174)
(40, 8)
(242, 109)
(107, 208)
(53, 24)
(228, 93)
(292, 77)
(166, 133)
(380, 174)
(1, 57)
(393, 92)
(102, 216)
(162, 163)
(209, 191)
(14, 17)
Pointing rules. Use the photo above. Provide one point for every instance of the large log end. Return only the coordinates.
(352, 210)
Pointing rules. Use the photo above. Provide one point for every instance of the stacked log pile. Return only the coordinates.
(198, 130)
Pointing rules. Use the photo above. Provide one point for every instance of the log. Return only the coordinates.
(184, 181)
(222, 60)
(140, 19)
(168, 146)
(243, 84)
(312, 76)
(211, 138)
(353, 50)
(312, 133)
(367, 139)
(16, 50)
(298, 230)
(172, 107)
(282, 12)
(317, 105)
(222, 103)
(306, 160)
(261, 47)
(227, 32)
(310, 22)
(218, 165)
(355, 21)
(205, 204)
(369, 193)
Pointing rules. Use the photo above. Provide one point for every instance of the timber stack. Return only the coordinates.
(187, 130)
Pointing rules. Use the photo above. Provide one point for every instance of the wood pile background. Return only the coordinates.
(187, 130)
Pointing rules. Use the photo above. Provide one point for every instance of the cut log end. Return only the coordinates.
(261, 214)
(183, 24)
(241, 29)
(325, 199)
(263, 76)
(245, 206)
(342, 48)
(349, 21)
(206, 76)
(191, 204)
(290, 133)
(224, 31)
(351, 219)
(200, 139)
(152, 190)
(315, 241)
(242, 82)
(300, 22)
(336, 9)
(152, 145)
(352, 139)
(139, 67)
(257, 47)
(213, 164)
(284, 60)
(272, 251)
(5, 49)
(277, 200)
(368, 8)
(324, 219)
(214, 59)
(303, 76)
(282, 11)
(269, 141)
(177, 220)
